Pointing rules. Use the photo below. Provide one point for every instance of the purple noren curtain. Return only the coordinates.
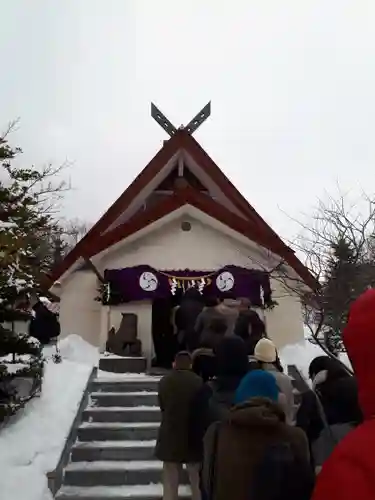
(146, 283)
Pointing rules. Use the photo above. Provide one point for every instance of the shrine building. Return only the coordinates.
(180, 223)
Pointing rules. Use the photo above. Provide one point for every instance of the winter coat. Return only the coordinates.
(250, 328)
(176, 396)
(338, 394)
(349, 473)
(211, 339)
(222, 391)
(216, 397)
(231, 357)
(204, 320)
(229, 310)
(232, 364)
(225, 311)
(285, 386)
(185, 319)
(204, 363)
(44, 325)
(233, 448)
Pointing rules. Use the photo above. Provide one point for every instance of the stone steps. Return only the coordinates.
(143, 398)
(146, 492)
(113, 450)
(118, 364)
(114, 456)
(137, 384)
(122, 414)
(118, 431)
(115, 473)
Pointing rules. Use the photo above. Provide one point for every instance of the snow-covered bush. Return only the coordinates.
(21, 371)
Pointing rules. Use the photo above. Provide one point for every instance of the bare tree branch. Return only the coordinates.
(334, 220)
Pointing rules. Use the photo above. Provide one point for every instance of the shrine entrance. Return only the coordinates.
(164, 335)
(163, 290)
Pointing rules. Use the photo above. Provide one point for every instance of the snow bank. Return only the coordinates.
(302, 353)
(31, 445)
(74, 348)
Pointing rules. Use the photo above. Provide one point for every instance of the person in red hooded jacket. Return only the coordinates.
(349, 473)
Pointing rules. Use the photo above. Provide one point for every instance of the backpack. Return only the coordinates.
(281, 475)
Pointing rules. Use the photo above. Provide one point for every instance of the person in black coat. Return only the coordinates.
(250, 328)
(337, 390)
(338, 394)
(44, 325)
(186, 316)
(216, 398)
(204, 363)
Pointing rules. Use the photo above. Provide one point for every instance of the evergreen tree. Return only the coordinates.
(343, 283)
(23, 225)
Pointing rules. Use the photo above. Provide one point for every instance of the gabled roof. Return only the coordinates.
(251, 224)
(184, 196)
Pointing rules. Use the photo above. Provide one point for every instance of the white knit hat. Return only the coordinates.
(265, 351)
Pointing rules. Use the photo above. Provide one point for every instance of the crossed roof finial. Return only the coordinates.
(192, 126)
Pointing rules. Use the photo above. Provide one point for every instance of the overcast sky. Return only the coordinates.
(292, 86)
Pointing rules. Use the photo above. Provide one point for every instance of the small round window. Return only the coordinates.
(185, 225)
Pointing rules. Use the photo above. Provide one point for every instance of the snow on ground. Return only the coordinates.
(302, 353)
(31, 445)
(127, 376)
(75, 349)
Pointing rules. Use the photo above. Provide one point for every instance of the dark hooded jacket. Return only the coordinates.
(186, 316)
(204, 363)
(338, 393)
(350, 471)
(214, 400)
(44, 325)
(250, 328)
(232, 364)
(234, 448)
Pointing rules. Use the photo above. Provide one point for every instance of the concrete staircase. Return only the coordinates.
(113, 458)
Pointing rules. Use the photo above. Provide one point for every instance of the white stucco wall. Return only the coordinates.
(284, 322)
(80, 313)
(202, 248)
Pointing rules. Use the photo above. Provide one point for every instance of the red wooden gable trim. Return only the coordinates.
(148, 173)
(189, 196)
(186, 196)
(138, 222)
(180, 140)
(230, 191)
(253, 232)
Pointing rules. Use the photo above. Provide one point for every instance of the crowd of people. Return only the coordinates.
(203, 324)
(234, 418)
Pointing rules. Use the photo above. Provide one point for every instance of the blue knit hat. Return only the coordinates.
(257, 383)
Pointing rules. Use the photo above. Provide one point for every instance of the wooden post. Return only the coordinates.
(94, 269)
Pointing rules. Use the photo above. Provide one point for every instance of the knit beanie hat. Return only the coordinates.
(265, 351)
(257, 384)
